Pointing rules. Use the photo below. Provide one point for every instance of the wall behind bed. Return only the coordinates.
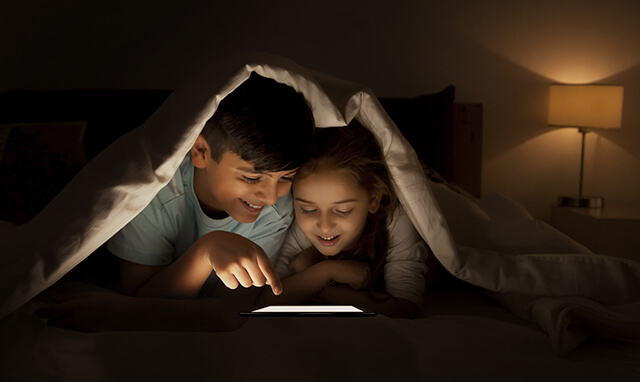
(501, 53)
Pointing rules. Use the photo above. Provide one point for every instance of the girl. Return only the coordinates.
(351, 243)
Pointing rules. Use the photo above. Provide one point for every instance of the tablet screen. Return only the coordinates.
(308, 310)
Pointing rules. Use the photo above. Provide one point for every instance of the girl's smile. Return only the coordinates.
(331, 209)
(328, 241)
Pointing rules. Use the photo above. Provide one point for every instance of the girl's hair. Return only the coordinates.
(354, 152)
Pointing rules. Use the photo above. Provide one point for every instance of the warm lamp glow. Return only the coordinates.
(585, 106)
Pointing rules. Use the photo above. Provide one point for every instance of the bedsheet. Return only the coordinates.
(461, 335)
(599, 294)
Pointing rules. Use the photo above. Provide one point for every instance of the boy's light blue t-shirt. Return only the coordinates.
(173, 221)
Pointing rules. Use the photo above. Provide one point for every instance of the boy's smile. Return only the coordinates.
(252, 207)
(233, 187)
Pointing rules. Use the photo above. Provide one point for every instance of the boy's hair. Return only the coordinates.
(353, 151)
(266, 123)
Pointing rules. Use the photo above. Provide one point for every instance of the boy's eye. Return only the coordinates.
(250, 180)
(286, 179)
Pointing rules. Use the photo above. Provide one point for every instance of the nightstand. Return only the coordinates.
(612, 230)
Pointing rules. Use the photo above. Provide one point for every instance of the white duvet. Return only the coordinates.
(528, 266)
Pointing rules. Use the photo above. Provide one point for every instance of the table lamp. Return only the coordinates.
(584, 107)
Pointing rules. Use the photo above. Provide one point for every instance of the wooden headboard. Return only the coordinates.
(464, 148)
(447, 136)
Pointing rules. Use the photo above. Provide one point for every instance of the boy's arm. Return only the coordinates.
(236, 260)
(142, 248)
(133, 276)
(100, 311)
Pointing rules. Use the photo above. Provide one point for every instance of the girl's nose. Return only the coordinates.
(325, 223)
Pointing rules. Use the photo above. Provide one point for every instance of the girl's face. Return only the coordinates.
(331, 209)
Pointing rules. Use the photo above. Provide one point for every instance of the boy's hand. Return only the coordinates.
(354, 273)
(91, 312)
(105, 311)
(238, 260)
(304, 260)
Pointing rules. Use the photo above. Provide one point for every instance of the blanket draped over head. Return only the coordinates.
(569, 295)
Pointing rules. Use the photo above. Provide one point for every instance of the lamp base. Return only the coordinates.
(581, 201)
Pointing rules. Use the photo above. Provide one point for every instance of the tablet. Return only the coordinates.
(308, 311)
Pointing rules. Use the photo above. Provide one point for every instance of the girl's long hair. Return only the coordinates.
(353, 151)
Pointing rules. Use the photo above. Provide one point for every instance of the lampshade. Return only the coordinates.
(585, 106)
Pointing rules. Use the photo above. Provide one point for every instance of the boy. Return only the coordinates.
(229, 202)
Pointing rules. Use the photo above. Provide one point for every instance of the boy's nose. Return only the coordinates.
(269, 193)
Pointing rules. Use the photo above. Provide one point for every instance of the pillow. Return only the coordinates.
(434, 177)
(425, 122)
(500, 207)
(7, 230)
(109, 113)
(36, 161)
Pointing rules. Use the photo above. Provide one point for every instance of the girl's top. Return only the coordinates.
(405, 265)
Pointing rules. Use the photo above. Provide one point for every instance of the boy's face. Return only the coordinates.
(332, 209)
(232, 186)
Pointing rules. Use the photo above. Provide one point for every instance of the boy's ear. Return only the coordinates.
(200, 152)
(374, 201)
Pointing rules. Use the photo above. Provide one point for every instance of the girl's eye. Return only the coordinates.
(307, 211)
(344, 213)
(250, 180)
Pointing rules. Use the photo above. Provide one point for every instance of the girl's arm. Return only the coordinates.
(304, 260)
(383, 303)
(404, 274)
(405, 266)
(305, 284)
(295, 243)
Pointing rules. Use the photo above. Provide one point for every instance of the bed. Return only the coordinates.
(508, 298)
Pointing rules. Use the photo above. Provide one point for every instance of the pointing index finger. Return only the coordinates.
(271, 275)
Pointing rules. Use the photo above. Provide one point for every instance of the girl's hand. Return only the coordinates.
(354, 273)
(304, 260)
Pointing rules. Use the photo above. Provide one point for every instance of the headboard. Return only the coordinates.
(446, 136)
